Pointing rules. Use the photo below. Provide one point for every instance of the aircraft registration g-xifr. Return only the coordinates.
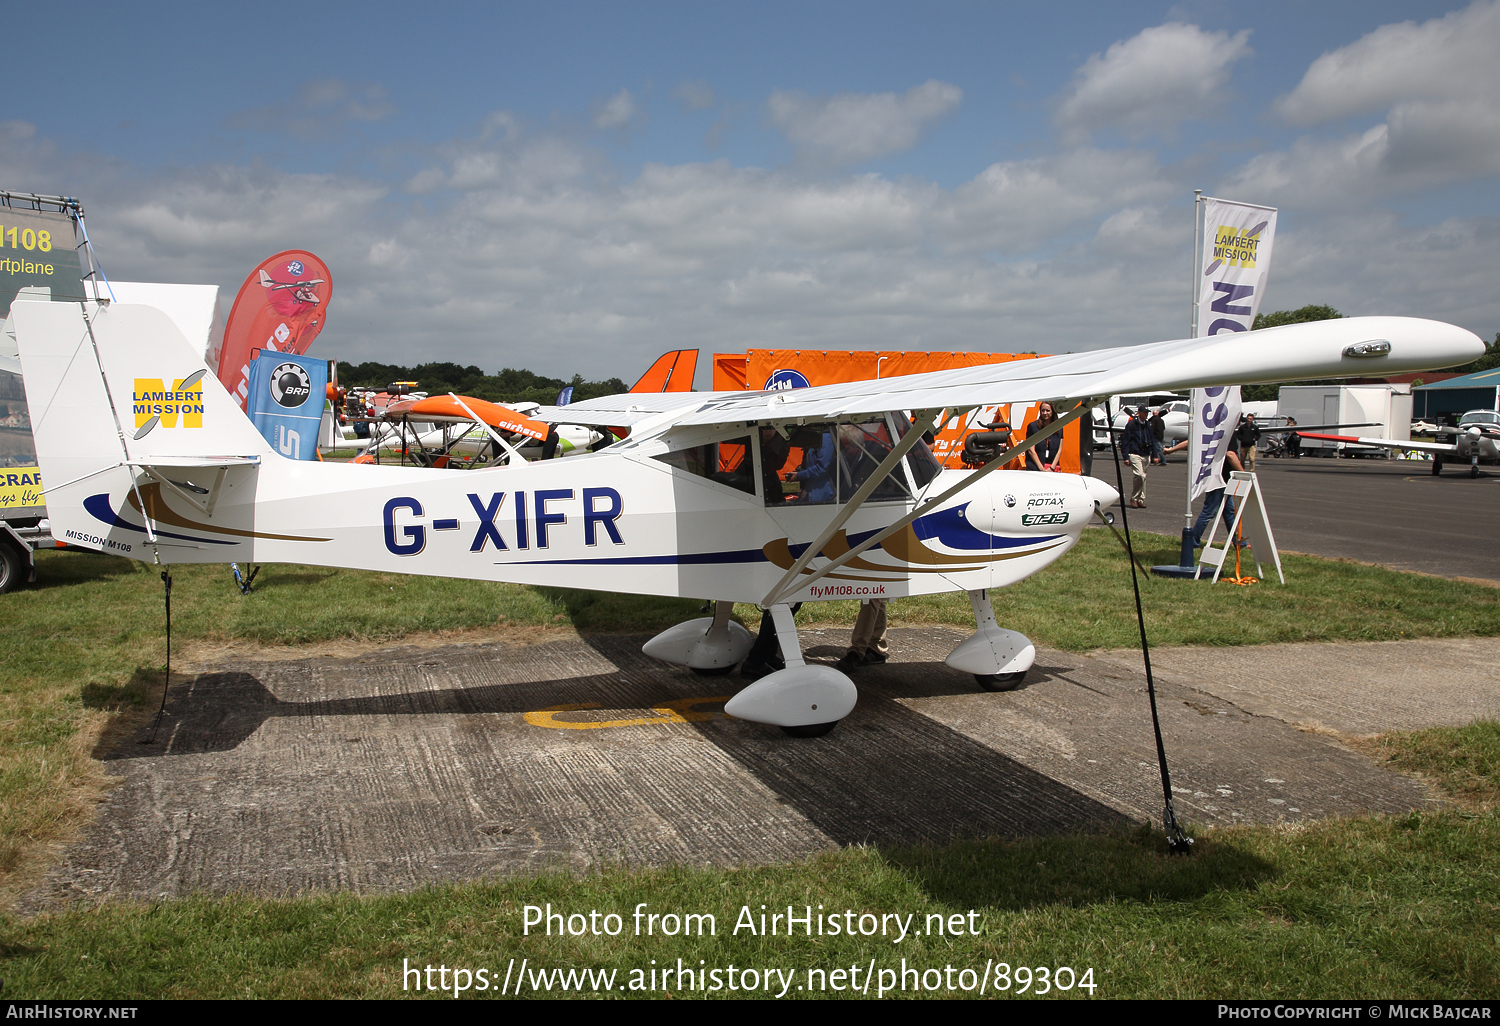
(146, 455)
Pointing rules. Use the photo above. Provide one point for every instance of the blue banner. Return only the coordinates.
(286, 400)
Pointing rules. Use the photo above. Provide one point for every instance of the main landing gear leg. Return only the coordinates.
(997, 658)
(803, 700)
(710, 646)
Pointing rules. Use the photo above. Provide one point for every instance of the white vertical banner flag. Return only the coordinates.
(1216, 413)
(1236, 261)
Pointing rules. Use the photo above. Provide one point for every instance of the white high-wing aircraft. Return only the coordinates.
(1476, 438)
(146, 455)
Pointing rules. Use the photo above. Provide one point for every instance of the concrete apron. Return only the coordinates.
(405, 768)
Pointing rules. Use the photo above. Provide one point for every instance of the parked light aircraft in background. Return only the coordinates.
(147, 456)
(463, 426)
(1476, 438)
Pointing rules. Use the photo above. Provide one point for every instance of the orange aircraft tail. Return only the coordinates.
(672, 372)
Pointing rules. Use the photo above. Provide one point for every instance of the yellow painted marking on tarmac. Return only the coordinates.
(680, 711)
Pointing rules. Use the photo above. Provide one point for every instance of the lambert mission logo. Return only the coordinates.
(178, 406)
(1237, 246)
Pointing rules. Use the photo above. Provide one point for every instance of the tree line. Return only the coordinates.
(509, 385)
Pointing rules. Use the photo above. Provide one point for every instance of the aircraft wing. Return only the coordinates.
(1388, 443)
(628, 408)
(1349, 347)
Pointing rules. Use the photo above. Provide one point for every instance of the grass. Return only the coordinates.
(1361, 906)
(1463, 762)
(1405, 907)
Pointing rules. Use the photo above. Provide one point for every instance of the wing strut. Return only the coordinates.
(879, 474)
(785, 586)
(120, 430)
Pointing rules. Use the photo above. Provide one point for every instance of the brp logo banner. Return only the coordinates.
(286, 398)
(1237, 240)
(291, 386)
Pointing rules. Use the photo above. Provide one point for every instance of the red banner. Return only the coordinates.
(281, 307)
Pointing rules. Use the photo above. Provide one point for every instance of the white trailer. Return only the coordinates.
(1388, 406)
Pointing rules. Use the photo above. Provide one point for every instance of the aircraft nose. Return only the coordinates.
(1104, 494)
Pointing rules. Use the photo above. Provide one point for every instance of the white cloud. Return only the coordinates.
(320, 107)
(617, 111)
(527, 249)
(1152, 82)
(851, 128)
(1015, 206)
(1372, 263)
(524, 258)
(1439, 83)
(695, 95)
(1452, 58)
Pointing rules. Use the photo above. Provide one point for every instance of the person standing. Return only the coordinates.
(1249, 437)
(868, 645)
(1159, 436)
(1216, 498)
(1045, 455)
(1137, 443)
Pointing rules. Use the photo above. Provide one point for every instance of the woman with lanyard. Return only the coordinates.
(1047, 454)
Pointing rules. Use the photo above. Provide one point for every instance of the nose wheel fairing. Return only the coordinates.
(992, 653)
(798, 696)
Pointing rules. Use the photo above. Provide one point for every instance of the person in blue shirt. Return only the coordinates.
(816, 472)
(1216, 499)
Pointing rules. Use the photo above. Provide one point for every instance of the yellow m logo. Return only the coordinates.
(152, 398)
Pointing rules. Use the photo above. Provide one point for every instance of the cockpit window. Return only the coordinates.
(799, 467)
(728, 462)
(919, 459)
(862, 448)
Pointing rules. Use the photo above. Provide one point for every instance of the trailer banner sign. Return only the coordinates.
(20, 488)
(36, 251)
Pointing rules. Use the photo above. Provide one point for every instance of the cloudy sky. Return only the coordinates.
(577, 187)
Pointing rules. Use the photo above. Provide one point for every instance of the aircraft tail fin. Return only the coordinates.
(672, 372)
(115, 391)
